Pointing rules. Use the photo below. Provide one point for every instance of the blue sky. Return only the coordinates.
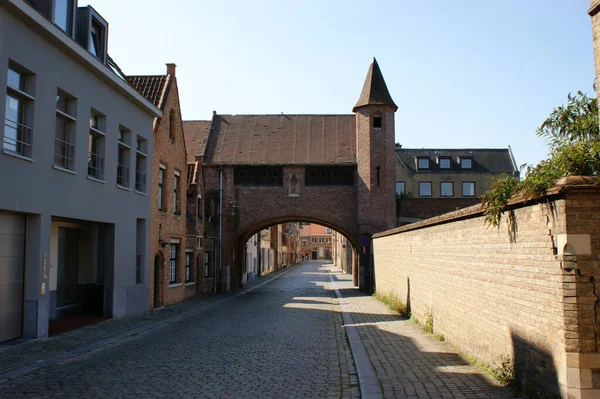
(464, 73)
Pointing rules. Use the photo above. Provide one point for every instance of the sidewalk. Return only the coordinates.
(407, 362)
(23, 358)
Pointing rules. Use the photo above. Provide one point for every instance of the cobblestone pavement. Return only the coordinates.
(408, 362)
(283, 339)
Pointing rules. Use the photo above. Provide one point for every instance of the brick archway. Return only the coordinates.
(243, 235)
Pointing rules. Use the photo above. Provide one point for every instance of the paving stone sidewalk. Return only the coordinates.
(408, 362)
(32, 353)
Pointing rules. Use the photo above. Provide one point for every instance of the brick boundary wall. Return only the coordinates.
(528, 292)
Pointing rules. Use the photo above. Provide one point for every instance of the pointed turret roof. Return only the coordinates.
(374, 91)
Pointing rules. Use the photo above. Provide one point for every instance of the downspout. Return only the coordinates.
(220, 224)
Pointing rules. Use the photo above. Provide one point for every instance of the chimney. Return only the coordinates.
(171, 69)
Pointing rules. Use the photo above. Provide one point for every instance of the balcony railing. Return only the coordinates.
(17, 138)
(122, 175)
(64, 154)
(140, 181)
(95, 166)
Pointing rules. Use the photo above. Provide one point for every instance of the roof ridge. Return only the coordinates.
(453, 149)
(286, 115)
(145, 76)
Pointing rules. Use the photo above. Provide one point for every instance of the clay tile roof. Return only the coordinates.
(196, 135)
(375, 91)
(151, 87)
(282, 139)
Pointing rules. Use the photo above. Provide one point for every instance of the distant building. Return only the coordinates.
(430, 182)
(316, 242)
(76, 156)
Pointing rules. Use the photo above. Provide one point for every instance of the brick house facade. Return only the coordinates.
(170, 280)
(334, 170)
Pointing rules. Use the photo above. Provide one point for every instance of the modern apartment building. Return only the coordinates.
(75, 154)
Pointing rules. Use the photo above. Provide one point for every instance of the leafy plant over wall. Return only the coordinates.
(573, 136)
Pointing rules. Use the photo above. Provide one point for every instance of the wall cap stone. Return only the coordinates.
(564, 185)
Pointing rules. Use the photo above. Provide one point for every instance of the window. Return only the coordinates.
(173, 254)
(400, 188)
(64, 138)
(424, 189)
(377, 122)
(207, 264)
(466, 163)
(140, 164)
(97, 40)
(328, 230)
(188, 267)
(468, 189)
(198, 242)
(123, 157)
(444, 163)
(161, 188)
(172, 125)
(96, 145)
(446, 189)
(63, 15)
(176, 209)
(422, 163)
(18, 132)
(314, 240)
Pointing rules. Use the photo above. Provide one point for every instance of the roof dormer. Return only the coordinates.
(92, 32)
(61, 12)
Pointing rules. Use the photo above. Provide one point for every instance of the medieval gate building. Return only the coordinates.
(334, 170)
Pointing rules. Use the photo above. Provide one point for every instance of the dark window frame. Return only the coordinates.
(188, 266)
(445, 159)
(430, 189)
(451, 189)
(173, 257)
(206, 264)
(162, 172)
(403, 187)
(419, 167)
(463, 189)
(464, 159)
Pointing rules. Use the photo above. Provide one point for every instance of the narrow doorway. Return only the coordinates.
(67, 265)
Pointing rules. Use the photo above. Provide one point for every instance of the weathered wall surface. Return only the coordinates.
(525, 292)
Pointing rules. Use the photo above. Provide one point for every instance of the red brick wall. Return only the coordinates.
(515, 292)
(170, 153)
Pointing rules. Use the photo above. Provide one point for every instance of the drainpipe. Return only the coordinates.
(220, 224)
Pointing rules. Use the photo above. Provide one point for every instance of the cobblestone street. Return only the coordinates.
(282, 339)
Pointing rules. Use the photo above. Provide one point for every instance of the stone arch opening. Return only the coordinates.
(243, 263)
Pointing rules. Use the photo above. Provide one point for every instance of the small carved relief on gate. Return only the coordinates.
(293, 188)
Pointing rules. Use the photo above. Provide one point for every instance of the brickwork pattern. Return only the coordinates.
(526, 291)
(491, 293)
(408, 362)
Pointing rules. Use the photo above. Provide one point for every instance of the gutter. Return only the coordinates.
(512, 159)
(55, 36)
